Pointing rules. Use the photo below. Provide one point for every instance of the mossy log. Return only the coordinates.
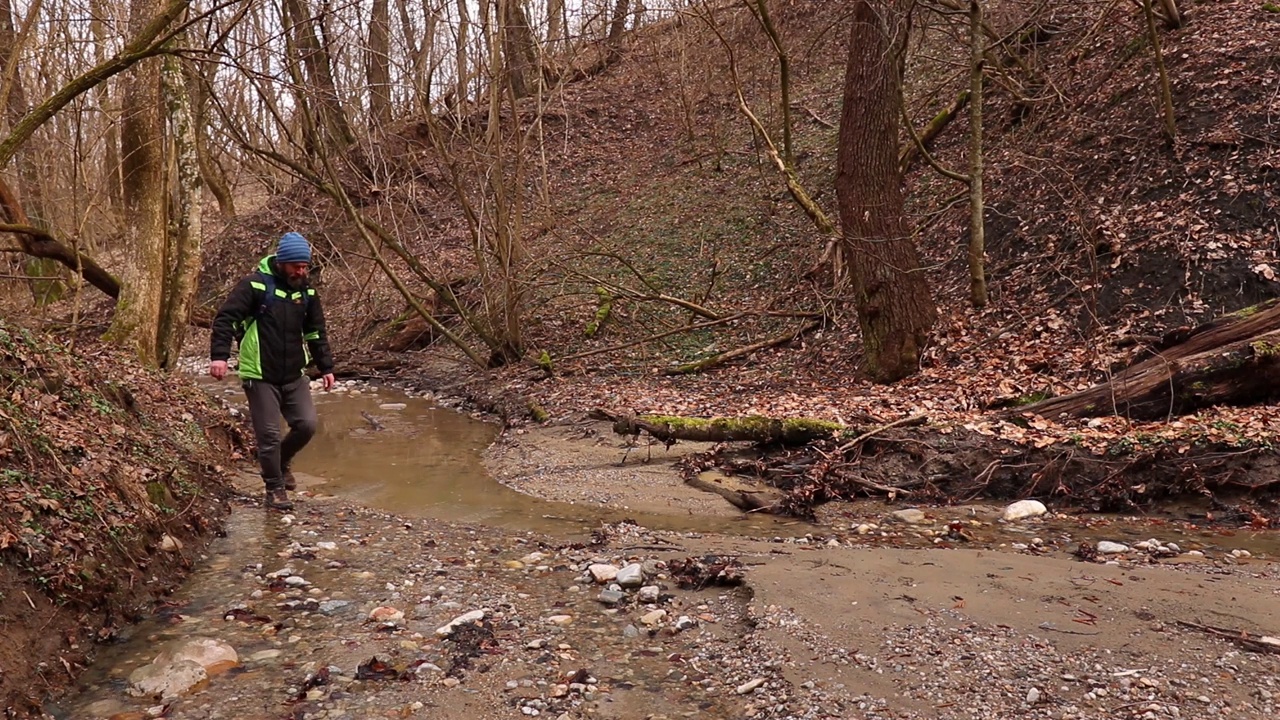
(751, 428)
(1233, 360)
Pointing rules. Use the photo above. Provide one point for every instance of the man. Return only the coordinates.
(276, 317)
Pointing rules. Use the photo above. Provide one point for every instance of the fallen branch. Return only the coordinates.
(1252, 643)
(910, 421)
(38, 243)
(744, 351)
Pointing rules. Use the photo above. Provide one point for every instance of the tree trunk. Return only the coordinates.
(106, 108)
(319, 83)
(1234, 360)
(895, 309)
(977, 233)
(555, 26)
(378, 66)
(184, 246)
(461, 56)
(137, 320)
(198, 81)
(519, 48)
(14, 108)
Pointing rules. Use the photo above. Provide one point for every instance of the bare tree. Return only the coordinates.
(977, 232)
(895, 309)
(378, 67)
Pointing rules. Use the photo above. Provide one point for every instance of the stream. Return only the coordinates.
(410, 458)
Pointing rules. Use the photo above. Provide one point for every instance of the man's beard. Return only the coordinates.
(296, 284)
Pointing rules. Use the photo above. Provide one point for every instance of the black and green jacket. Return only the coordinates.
(279, 336)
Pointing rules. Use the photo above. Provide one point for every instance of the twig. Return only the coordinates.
(824, 123)
(910, 421)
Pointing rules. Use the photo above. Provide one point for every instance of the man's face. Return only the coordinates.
(295, 272)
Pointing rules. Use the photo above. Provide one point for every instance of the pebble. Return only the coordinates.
(386, 614)
(611, 597)
(1107, 547)
(649, 594)
(653, 618)
(469, 617)
(169, 543)
(561, 620)
(749, 685)
(1033, 696)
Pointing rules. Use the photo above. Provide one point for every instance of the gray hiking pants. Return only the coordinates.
(267, 402)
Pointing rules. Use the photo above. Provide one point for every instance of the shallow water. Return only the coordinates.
(409, 456)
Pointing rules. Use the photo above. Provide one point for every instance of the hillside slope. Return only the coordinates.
(1099, 233)
(110, 482)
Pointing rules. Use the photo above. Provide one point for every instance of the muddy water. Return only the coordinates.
(412, 457)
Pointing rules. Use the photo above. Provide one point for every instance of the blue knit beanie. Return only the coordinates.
(293, 248)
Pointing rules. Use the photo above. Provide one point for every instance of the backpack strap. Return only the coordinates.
(269, 293)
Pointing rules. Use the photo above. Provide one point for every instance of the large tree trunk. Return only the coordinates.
(136, 324)
(1234, 360)
(893, 303)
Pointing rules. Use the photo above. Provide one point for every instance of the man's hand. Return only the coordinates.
(218, 369)
(329, 382)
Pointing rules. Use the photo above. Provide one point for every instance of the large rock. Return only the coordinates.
(166, 680)
(213, 655)
(1106, 547)
(1024, 509)
(631, 576)
(602, 573)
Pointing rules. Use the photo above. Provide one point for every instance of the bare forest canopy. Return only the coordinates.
(1000, 201)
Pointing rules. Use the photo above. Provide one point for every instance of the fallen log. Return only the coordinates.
(743, 493)
(1233, 360)
(751, 428)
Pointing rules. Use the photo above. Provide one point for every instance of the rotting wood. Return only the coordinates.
(752, 428)
(1233, 360)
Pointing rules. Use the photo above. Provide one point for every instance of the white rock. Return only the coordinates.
(1106, 547)
(910, 516)
(296, 581)
(560, 620)
(602, 573)
(166, 680)
(649, 594)
(327, 545)
(1033, 696)
(1024, 509)
(392, 406)
(630, 576)
(469, 617)
(169, 543)
(534, 558)
(864, 529)
(749, 685)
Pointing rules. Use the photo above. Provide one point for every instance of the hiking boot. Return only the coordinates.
(290, 482)
(278, 499)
